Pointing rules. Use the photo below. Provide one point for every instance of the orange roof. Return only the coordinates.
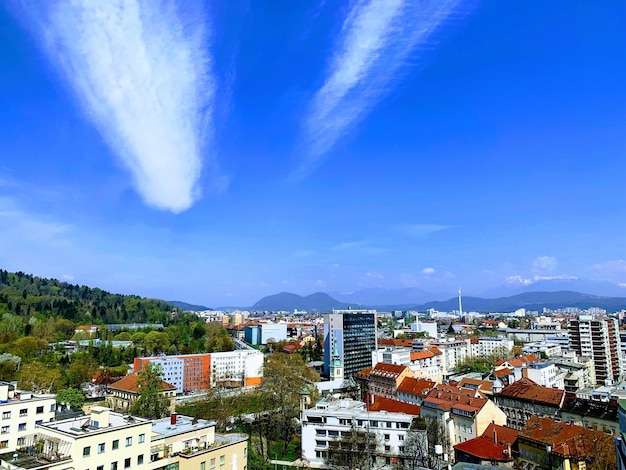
(130, 383)
(527, 390)
(501, 434)
(446, 397)
(567, 440)
(484, 448)
(436, 351)
(503, 372)
(385, 369)
(393, 406)
(416, 356)
(413, 386)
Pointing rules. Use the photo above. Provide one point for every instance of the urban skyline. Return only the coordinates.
(216, 154)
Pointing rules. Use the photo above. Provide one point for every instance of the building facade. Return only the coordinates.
(599, 339)
(349, 340)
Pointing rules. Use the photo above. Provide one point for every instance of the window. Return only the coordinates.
(142, 438)
(6, 415)
(387, 448)
(20, 441)
(86, 451)
(212, 464)
(401, 437)
(129, 441)
(374, 424)
(113, 465)
(39, 410)
(4, 444)
(388, 424)
(24, 412)
(401, 449)
(202, 465)
(4, 430)
(140, 459)
(222, 460)
(116, 444)
(39, 421)
(21, 427)
(101, 448)
(386, 437)
(127, 462)
(52, 408)
(100, 467)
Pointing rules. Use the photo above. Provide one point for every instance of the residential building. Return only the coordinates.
(592, 414)
(193, 372)
(331, 420)
(123, 393)
(264, 333)
(545, 374)
(498, 345)
(20, 413)
(463, 413)
(497, 445)
(546, 443)
(524, 398)
(392, 355)
(349, 340)
(384, 379)
(427, 363)
(109, 440)
(599, 339)
(413, 390)
(453, 351)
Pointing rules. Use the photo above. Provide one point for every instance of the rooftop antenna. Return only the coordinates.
(460, 304)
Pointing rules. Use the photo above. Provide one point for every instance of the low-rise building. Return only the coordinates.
(524, 398)
(331, 420)
(20, 413)
(497, 445)
(591, 414)
(123, 393)
(109, 440)
(465, 415)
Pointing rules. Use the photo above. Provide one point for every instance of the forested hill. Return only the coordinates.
(27, 295)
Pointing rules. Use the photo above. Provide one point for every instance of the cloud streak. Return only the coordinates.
(142, 73)
(378, 39)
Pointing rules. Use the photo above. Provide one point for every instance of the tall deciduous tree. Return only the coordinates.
(151, 402)
(356, 449)
(39, 378)
(71, 396)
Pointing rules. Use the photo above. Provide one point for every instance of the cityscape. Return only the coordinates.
(340, 235)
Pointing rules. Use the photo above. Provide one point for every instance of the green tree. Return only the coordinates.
(151, 402)
(72, 397)
(356, 449)
(38, 378)
(285, 378)
(9, 366)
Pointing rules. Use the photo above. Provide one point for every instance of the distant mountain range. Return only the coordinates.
(287, 301)
(322, 302)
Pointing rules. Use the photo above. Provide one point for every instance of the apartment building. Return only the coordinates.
(545, 374)
(106, 440)
(20, 413)
(464, 414)
(524, 398)
(384, 379)
(331, 420)
(123, 393)
(599, 339)
(192, 372)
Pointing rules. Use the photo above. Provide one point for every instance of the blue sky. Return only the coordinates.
(237, 149)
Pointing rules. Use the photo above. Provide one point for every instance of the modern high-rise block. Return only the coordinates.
(599, 339)
(349, 339)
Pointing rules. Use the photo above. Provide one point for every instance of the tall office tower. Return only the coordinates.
(349, 339)
(598, 338)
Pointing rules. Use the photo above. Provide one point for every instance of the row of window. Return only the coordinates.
(24, 412)
(127, 463)
(20, 427)
(212, 463)
(114, 445)
(374, 424)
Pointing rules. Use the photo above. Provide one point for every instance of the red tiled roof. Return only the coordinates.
(567, 440)
(503, 372)
(130, 383)
(393, 406)
(446, 397)
(527, 390)
(501, 434)
(385, 369)
(413, 386)
(485, 449)
(415, 356)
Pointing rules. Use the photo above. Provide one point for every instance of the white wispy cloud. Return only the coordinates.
(421, 230)
(611, 266)
(518, 279)
(378, 38)
(428, 271)
(142, 72)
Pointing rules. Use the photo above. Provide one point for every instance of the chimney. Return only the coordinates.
(173, 419)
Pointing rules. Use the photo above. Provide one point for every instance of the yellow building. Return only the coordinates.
(107, 440)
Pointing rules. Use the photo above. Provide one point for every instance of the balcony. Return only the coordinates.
(221, 440)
